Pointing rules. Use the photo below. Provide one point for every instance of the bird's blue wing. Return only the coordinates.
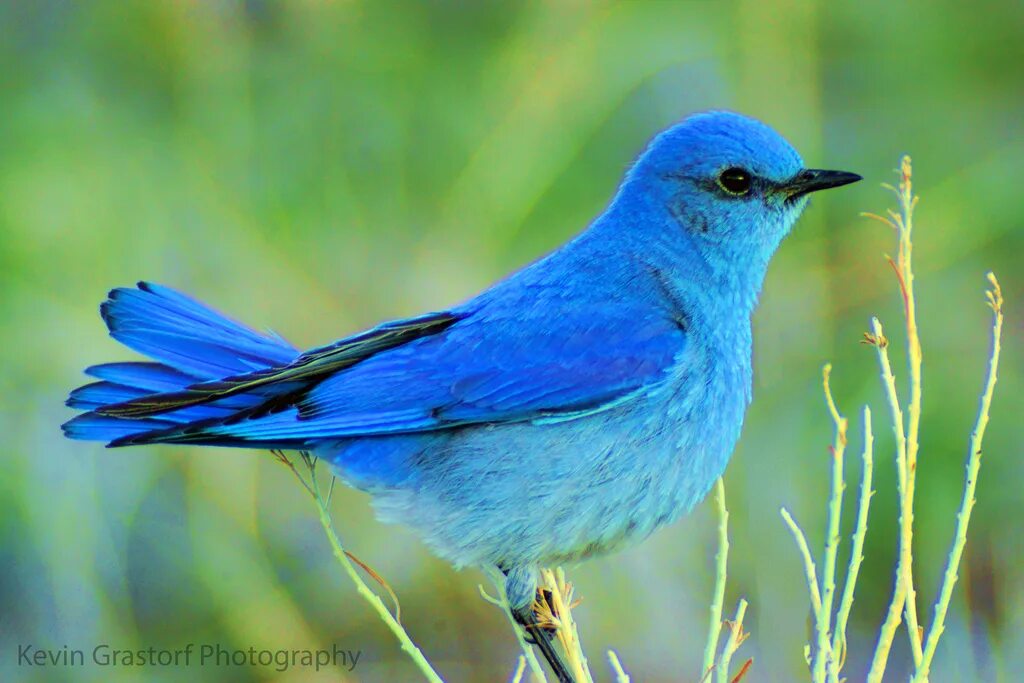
(482, 369)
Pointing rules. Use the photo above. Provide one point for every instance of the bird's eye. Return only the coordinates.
(735, 181)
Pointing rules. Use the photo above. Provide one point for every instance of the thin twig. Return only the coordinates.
(565, 625)
(805, 553)
(907, 202)
(287, 462)
(736, 638)
(343, 559)
(857, 549)
(378, 578)
(823, 661)
(490, 598)
(536, 670)
(620, 674)
(904, 597)
(894, 616)
(721, 565)
(743, 670)
(517, 675)
(963, 518)
(330, 491)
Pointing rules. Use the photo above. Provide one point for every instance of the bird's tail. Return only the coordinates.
(189, 342)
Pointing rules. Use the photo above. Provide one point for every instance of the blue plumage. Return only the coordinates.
(577, 405)
(192, 343)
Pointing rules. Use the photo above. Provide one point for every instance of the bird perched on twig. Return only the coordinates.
(571, 408)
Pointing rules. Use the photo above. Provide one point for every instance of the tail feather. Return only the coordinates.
(170, 327)
(193, 344)
(90, 427)
(99, 394)
(149, 376)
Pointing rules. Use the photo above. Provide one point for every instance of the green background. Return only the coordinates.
(318, 167)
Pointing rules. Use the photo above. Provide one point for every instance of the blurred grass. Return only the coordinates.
(317, 167)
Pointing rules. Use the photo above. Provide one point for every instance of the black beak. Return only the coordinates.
(812, 179)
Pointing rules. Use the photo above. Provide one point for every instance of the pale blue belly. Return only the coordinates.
(526, 494)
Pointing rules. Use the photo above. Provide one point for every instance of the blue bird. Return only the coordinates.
(574, 407)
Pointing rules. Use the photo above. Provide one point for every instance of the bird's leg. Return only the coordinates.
(543, 636)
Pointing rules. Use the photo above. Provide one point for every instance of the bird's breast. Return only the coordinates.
(641, 466)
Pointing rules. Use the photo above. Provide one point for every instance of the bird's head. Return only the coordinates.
(725, 185)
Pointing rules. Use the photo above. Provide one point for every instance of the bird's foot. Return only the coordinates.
(539, 627)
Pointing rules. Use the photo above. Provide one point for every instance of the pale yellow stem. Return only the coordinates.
(810, 576)
(620, 674)
(517, 675)
(721, 565)
(823, 663)
(736, 638)
(900, 587)
(963, 517)
(805, 552)
(565, 626)
(367, 594)
(905, 264)
(857, 549)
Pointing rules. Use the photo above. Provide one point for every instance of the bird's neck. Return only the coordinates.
(721, 283)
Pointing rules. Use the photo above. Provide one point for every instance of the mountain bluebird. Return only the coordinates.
(572, 408)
